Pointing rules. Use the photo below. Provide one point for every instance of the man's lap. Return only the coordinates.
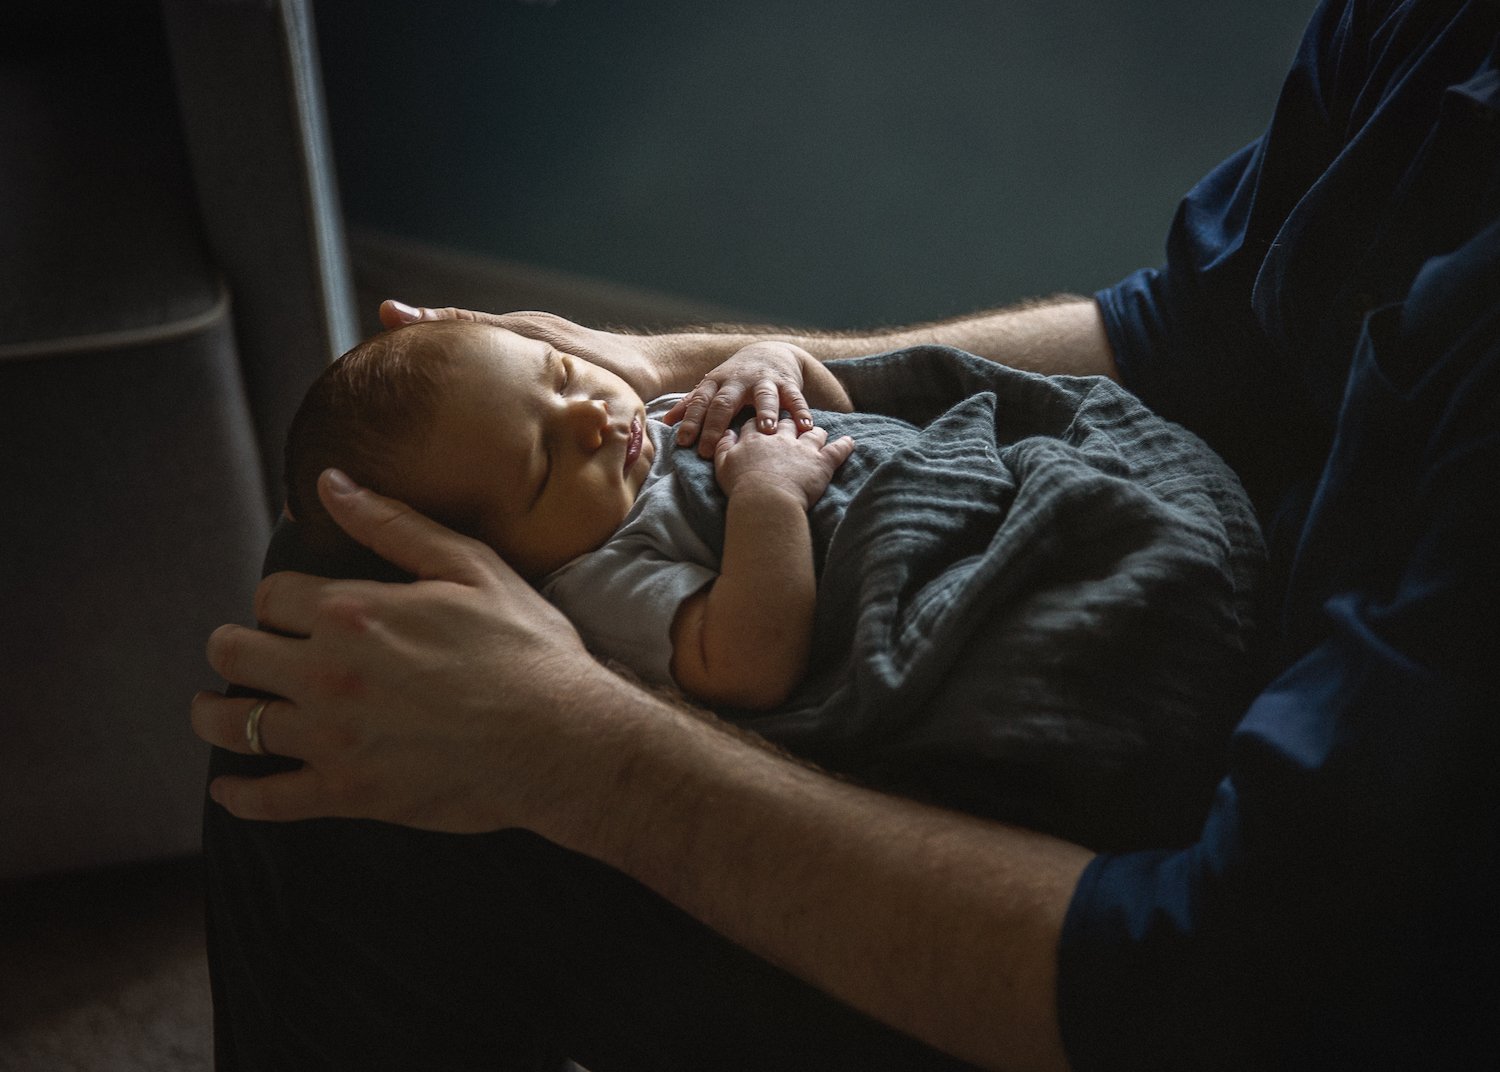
(364, 945)
(358, 944)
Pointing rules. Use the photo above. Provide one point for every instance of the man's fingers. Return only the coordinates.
(289, 602)
(257, 660)
(550, 328)
(599, 347)
(395, 314)
(816, 436)
(399, 534)
(226, 723)
(297, 794)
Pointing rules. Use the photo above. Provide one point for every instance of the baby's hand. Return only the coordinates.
(771, 373)
(800, 465)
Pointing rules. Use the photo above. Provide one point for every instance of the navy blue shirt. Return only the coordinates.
(1328, 317)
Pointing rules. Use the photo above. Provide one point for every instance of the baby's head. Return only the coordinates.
(536, 452)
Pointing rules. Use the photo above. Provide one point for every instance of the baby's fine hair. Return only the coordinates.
(365, 409)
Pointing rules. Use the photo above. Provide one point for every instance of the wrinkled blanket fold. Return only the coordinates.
(1035, 600)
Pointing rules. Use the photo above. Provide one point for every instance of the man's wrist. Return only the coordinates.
(585, 805)
(642, 773)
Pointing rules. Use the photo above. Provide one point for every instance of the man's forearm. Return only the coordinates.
(1054, 336)
(939, 924)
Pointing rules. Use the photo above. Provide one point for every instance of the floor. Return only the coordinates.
(105, 971)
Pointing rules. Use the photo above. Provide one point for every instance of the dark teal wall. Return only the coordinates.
(843, 163)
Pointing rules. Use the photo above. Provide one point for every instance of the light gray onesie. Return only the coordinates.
(623, 596)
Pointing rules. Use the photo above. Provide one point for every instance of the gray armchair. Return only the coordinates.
(172, 276)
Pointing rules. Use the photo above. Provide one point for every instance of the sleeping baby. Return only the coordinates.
(1025, 597)
(549, 459)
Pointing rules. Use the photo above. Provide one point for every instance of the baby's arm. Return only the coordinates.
(744, 639)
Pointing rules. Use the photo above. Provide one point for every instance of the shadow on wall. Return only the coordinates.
(853, 162)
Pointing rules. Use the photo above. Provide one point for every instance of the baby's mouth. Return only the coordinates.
(633, 443)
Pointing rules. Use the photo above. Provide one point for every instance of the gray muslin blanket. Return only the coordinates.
(1035, 600)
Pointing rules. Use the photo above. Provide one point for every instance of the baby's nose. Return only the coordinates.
(588, 418)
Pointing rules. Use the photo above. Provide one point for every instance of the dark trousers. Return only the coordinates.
(340, 944)
(336, 944)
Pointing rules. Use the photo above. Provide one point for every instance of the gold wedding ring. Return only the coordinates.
(252, 728)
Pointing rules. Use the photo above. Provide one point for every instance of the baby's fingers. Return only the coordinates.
(689, 410)
(678, 410)
(771, 398)
(716, 415)
(795, 405)
(767, 406)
